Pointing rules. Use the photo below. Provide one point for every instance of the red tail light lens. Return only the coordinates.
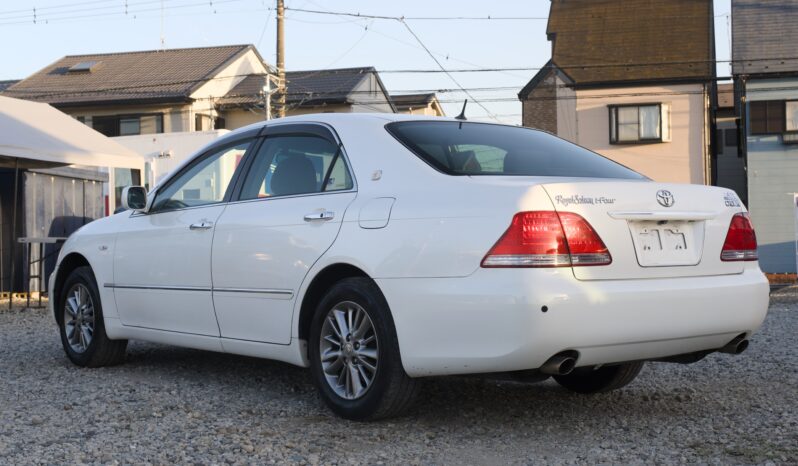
(740, 244)
(548, 239)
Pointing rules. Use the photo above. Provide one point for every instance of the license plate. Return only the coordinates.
(667, 242)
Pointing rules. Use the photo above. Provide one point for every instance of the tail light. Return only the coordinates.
(548, 239)
(740, 244)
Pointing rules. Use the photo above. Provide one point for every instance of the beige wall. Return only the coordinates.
(431, 109)
(238, 118)
(223, 81)
(680, 161)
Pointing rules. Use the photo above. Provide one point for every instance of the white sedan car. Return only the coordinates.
(377, 249)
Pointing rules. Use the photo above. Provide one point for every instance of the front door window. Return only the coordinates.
(206, 182)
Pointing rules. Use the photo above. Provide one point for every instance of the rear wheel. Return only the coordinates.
(354, 353)
(603, 379)
(80, 321)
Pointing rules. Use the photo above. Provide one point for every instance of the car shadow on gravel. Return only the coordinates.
(441, 401)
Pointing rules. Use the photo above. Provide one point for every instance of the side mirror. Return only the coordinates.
(134, 198)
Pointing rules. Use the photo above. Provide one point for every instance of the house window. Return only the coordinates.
(126, 125)
(767, 117)
(639, 123)
(129, 126)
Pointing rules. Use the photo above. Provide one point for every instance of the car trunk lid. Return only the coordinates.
(652, 230)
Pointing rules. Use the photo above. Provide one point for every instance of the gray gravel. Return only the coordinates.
(172, 405)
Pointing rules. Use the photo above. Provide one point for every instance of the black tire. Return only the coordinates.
(391, 391)
(604, 379)
(101, 351)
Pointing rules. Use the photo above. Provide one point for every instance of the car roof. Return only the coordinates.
(332, 118)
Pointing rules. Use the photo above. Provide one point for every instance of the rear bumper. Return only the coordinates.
(492, 321)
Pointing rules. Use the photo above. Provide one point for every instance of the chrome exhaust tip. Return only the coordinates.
(560, 364)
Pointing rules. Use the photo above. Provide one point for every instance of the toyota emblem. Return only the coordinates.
(665, 198)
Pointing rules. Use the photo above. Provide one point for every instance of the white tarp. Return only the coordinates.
(38, 132)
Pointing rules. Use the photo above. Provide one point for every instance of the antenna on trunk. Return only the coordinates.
(462, 116)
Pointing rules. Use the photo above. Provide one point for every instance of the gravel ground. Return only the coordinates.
(172, 405)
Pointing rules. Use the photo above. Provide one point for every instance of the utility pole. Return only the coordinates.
(281, 88)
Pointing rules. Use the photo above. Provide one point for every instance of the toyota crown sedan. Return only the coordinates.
(378, 249)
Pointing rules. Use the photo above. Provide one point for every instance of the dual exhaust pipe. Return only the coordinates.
(565, 362)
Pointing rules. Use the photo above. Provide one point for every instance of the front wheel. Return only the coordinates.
(603, 379)
(80, 321)
(354, 353)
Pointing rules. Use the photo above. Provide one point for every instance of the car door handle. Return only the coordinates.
(201, 225)
(323, 215)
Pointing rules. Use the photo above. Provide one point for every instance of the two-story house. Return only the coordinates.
(765, 68)
(341, 90)
(157, 91)
(632, 80)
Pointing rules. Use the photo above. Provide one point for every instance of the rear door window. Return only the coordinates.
(465, 148)
(287, 165)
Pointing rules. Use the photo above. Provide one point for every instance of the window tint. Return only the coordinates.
(290, 165)
(485, 149)
(205, 182)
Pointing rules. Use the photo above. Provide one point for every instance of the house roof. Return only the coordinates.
(614, 41)
(307, 88)
(6, 84)
(131, 77)
(764, 36)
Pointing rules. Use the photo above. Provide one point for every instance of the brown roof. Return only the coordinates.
(764, 36)
(609, 41)
(309, 88)
(130, 77)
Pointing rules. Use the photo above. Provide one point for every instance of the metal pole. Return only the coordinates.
(13, 233)
(281, 58)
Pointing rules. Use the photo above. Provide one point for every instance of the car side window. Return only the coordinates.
(206, 182)
(296, 164)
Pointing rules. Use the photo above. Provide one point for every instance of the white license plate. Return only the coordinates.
(667, 242)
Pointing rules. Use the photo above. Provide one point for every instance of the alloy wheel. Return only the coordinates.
(79, 318)
(349, 350)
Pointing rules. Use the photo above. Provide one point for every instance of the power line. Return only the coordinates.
(420, 18)
(42, 19)
(435, 59)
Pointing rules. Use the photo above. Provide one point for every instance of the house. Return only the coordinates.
(156, 91)
(632, 80)
(731, 172)
(314, 91)
(418, 104)
(765, 70)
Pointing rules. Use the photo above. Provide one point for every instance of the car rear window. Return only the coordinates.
(466, 148)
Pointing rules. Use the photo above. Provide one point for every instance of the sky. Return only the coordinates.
(315, 41)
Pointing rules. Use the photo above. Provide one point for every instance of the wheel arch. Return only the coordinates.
(69, 263)
(318, 286)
